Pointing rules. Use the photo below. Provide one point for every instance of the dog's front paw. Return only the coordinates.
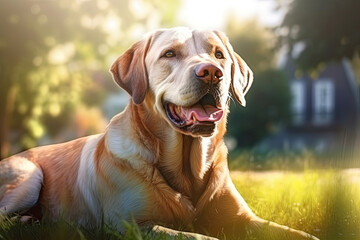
(187, 235)
(266, 230)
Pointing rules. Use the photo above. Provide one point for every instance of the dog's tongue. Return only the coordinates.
(202, 113)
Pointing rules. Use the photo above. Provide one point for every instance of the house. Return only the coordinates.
(325, 111)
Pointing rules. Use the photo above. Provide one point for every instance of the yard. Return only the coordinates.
(322, 202)
(325, 203)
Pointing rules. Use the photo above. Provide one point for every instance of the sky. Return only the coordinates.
(213, 14)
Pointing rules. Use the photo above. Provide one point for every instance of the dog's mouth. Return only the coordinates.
(198, 119)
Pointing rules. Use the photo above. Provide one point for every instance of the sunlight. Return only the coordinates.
(37, 130)
(54, 109)
(103, 4)
(61, 54)
(139, 8)
(111, 24)
(88, 22)
(209, 14)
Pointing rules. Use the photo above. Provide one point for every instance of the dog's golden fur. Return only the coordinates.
(162, 160)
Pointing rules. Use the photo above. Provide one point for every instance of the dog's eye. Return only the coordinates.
(219, 55)
(169, 54)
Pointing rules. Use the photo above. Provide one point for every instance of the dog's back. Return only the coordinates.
(23, 175)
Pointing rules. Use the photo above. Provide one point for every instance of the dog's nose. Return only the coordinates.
(208, 73)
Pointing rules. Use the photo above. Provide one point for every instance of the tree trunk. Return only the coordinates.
(7, 107)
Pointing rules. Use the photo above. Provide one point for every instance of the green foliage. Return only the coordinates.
(267, 107)
(329, 29)
(51, 54)
(269, 98)
(42, 54)
(253, 43)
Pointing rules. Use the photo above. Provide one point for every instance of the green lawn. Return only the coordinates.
(325, 203)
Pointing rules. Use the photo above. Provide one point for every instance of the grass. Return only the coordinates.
(13, 229)
(325, 203)
(296, 161)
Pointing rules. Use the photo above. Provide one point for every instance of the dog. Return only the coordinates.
(162, 160)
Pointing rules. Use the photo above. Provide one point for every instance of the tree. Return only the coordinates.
(269, 98)
(254, 43)
(49, 51)
(328, 30)
(267, 107)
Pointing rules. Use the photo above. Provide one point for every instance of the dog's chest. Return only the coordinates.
(126, 200)
(135, 199)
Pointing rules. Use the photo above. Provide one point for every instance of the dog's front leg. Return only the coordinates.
(266, 230)
(228, 216)
(187, 235)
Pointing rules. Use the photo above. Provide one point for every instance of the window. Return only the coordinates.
(298, 104)
(323, 102)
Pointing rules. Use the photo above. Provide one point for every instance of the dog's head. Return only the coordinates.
(189, 73)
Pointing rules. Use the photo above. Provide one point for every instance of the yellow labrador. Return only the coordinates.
(162, 160)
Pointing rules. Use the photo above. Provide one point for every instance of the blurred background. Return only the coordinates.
(303, 109)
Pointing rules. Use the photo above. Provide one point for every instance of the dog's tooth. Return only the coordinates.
(194, 119)
(178, 110)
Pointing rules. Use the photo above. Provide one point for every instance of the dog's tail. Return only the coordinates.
(20, 184)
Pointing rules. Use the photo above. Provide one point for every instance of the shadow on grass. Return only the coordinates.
(14, 229)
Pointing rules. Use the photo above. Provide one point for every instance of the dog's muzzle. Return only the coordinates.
(208, 73)
(198, 119)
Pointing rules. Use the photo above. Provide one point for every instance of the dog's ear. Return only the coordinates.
(129, 70)
(241, 74)
(241, 78)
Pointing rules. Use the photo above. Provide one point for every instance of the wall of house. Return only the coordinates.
(325, 108)
(329, 100)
